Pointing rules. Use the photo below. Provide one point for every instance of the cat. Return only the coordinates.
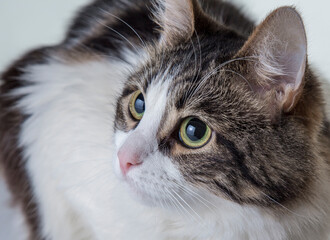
(169, 119)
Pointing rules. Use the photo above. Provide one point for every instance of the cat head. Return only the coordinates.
(213, 112)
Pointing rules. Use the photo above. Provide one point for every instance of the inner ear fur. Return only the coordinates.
(276, 56)
(176, 19)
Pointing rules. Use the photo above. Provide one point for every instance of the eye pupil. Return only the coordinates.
(139, 104)
(195, 129)
(194, 133)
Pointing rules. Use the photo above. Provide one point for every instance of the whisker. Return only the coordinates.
(178, 202)
(133, 30)
(128, 25)
(175, 204)
(240, 75)
(216, 70)
(200, 64)
(178, 195)
(287, 209)
(197, 196)
(123, 37)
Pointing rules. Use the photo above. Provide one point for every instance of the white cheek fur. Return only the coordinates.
(147, 178)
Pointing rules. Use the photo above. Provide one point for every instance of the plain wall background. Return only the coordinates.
(26, 24)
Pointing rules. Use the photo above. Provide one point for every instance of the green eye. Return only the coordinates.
(137, 105)
(194, 133)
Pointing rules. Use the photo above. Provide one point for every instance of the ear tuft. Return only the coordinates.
(278, 47)
(176, 19)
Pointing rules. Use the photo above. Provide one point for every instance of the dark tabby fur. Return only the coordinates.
(246, 137)
(253, 158)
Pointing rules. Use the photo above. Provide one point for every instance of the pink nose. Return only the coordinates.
(127, 160)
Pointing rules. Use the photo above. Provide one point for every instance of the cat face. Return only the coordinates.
(218, 113)
(188, 119)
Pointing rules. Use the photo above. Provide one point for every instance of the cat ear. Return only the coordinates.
(176, 19)
(278, 53)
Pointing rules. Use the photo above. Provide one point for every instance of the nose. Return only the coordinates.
(128, 159)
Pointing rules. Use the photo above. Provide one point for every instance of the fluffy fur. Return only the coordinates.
(65, 117)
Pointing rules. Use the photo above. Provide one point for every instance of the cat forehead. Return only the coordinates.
(190, 65)
(199, 82)
(191, 86)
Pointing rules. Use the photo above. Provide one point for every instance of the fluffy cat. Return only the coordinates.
(173, 119)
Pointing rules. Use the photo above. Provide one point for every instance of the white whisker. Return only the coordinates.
(185, 202)
(216, 70)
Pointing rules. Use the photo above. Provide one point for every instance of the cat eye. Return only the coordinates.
(194, 133)
(137, 105)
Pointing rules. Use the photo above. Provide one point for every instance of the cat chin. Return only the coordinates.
(169, 199)
(136, 193)
(141, 196)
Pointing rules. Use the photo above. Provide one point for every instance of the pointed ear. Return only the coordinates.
(176, 19)
(278, 48)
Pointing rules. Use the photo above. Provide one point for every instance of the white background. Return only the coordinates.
(25, 24)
